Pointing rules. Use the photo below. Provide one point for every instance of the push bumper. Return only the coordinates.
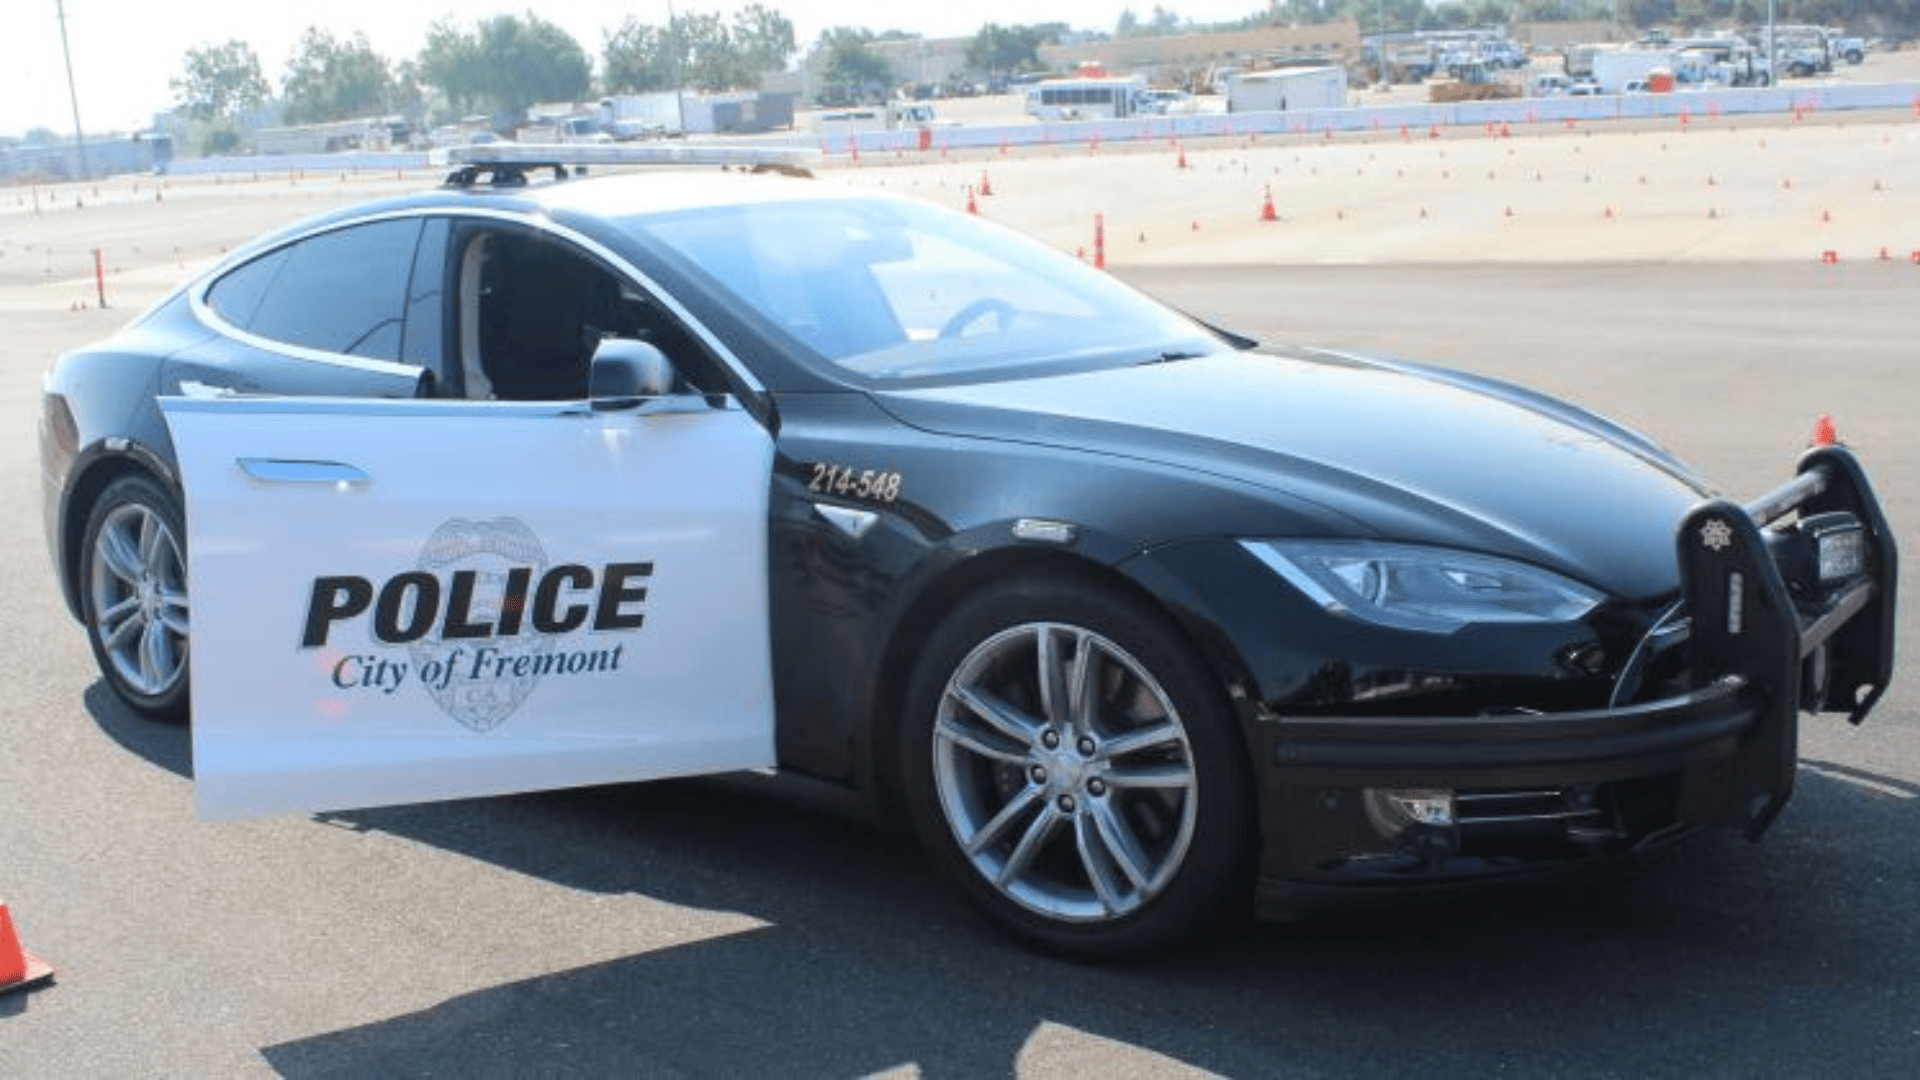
(1765, 641)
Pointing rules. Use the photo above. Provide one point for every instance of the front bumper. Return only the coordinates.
(1538, 790)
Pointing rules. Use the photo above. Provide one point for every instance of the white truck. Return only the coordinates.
(1288, 90)
(1614, 69)
(892, 116)
(641, 116)
(1803, 51)
(1728, 61)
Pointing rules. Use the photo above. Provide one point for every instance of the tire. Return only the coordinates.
(1103, 832)
(1855, 56)
(133, 595)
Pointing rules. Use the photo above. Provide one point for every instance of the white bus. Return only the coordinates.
(1088, 99)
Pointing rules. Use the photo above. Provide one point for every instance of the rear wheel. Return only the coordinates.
(133, 595)
(1074, 770)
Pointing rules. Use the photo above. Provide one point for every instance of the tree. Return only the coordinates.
(532, 60)
(699, 50)
(851, 61)
(504, 63)
(220, 80)
(1489, 12)
(331, 79)
(638, 58)
(764, 38)
(999, 48)
(408, 96)
(450, 62)
(710, 60)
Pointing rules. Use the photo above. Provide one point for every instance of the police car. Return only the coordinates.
(536, 481)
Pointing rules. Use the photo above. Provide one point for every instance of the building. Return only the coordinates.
(104, 156)
(1186, 58)
(741, 112)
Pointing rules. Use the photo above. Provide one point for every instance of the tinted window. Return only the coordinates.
(341, 292)
(237, 296)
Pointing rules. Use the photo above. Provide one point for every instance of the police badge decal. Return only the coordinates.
(482, 699)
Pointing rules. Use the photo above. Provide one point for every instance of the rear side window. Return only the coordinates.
(237, 296)
(344, 291)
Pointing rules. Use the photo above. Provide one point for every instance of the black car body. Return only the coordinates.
(1131, 633)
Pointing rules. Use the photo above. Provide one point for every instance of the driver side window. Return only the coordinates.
(533, 309)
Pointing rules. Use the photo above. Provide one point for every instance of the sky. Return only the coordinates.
(125, 51)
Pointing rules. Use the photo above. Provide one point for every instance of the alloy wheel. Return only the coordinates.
(1064, 772)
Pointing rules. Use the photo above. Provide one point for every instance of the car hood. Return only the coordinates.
(1399, 451)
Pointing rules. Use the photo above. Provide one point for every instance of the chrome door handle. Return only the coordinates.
(283, 471)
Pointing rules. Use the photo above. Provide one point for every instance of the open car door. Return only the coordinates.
(401, 601)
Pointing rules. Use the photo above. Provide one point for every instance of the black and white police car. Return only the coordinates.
(528, 483)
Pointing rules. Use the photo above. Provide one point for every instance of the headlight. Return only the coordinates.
(1431, 590)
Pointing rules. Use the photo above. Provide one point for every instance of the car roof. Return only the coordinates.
(622, 194)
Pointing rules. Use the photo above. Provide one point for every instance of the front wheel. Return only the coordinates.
(1074, 770)
(133, 595)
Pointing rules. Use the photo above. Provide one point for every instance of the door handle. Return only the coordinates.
(283, 471)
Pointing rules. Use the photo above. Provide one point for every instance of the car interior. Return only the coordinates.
(532, 312)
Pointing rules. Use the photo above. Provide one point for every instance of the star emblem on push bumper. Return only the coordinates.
(1715, 535)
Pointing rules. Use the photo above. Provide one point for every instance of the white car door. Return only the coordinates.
(404, 601)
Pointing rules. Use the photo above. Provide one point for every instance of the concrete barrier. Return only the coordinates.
(1779, 99)
(369, 161)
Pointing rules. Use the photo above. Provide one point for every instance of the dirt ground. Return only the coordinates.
(1835, 186)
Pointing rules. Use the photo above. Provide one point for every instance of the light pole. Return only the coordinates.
(679, 82)
(79, 140)
(1380, 46)
(1773, 49)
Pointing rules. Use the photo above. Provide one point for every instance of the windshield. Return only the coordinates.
(895, 290)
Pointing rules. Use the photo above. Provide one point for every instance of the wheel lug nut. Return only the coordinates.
(1038, 774)
(1050, 738)
(1086, 747)
(1066, 804)
(1096, 786)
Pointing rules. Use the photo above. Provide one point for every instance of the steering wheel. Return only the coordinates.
(974, 312)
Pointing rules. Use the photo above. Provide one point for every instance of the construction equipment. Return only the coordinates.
(1472, 81)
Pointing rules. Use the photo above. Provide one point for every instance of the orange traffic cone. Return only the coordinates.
(18, 967)
(1266, 208)
(1823, 431)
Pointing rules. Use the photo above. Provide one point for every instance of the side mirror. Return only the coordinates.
(626, 369)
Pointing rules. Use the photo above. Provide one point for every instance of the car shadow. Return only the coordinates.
(158, 742)
(1712, 955)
